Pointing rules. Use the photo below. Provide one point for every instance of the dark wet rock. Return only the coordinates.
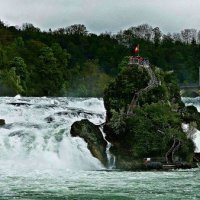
(128, 163)
(49, 119)
(92, 136)
(197, 156)
(2, 122)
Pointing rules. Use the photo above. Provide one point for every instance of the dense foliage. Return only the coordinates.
(156, 120)
(71, 61)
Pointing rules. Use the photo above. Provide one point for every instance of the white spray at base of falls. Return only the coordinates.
(37, 133)
(193, 102)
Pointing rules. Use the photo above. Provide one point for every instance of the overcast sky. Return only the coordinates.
(103, 15)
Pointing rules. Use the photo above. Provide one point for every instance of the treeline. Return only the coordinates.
(73, 62)
(179, 52)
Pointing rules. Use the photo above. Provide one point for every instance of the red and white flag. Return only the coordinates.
(136, 50)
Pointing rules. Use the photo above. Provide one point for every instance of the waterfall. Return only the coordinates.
(110, 157)
(196, 136)
(37, 132)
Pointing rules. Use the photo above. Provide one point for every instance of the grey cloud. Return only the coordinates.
(103, 15)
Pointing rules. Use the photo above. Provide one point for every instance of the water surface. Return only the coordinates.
(40, 160)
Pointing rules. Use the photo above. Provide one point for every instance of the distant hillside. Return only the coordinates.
(70, 61)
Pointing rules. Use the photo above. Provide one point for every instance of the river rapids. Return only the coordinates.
(40, 160)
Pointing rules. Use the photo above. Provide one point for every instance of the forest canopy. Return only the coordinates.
(72, 61)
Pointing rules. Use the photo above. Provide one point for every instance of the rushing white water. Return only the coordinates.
(37, 133)
(195, 102)
(40, 160)
(110, 158)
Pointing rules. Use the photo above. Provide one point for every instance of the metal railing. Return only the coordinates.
(153, 82)
(133, 61)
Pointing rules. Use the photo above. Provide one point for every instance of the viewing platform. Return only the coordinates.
(137, 60)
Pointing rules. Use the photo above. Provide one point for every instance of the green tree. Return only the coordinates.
(10, 82)
(49, 77)
(20, 68)
(91, 81)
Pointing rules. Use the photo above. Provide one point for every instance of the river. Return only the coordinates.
(40, 160)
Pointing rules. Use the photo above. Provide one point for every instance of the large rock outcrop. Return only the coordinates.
(93, 137)
(154, 123)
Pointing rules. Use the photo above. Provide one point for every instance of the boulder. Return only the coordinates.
(92, 136)
(2, 122)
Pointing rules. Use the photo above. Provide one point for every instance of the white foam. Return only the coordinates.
(28, 141)
(197, 141)
(17, 96)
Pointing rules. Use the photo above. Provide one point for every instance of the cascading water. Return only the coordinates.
(110, 157)
(195, 102)
(37, 133)
(40, 160)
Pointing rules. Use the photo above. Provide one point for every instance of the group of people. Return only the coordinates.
(137, 59)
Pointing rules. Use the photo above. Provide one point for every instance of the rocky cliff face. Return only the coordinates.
(155, 120)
